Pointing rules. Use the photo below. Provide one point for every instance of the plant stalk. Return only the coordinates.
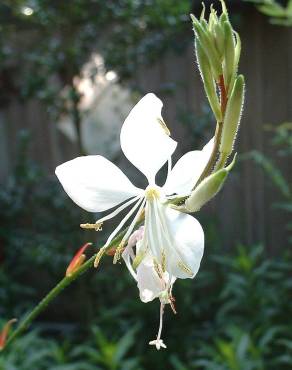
(25, 323)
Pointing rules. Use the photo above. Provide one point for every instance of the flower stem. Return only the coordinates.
(213, 158)
(26, 322)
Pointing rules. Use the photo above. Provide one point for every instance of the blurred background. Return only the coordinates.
(70, 71)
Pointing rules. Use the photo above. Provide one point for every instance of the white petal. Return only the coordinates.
(95, 183)
(144, 141)
(186, 247)
(187, 170)
(149, 284)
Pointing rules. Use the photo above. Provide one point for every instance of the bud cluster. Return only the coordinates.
(218, 49)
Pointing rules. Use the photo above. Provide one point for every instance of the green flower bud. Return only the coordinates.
(205, 38)
(229, 57)
(209, 84)
(207, 189)
(213, 19)
(237, 52)
(219, 38)
(232, 116)
(224, 9)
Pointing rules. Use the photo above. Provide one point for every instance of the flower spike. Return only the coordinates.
(4, 333)
(77, 260)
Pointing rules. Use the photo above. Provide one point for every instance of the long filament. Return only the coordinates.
(118, 210)
(124, 220)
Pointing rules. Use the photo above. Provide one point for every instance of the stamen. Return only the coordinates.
(98, 223)
(157, 268)
(124, 220)
(185, 268)
(163, 261)
(133, 223)
(97, 226)
(100, 253)
(163, 125)
(119, 252)
(122, 244)
(158, 342)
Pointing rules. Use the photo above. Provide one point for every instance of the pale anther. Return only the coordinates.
(97, 226)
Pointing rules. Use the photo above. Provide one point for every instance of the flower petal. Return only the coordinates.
(185, 244)
(95, 183)
(144, 139)
(149, 284)
(187, 170)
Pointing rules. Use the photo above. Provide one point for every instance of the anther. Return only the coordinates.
(97, 226)
(185, 268)
(119, 252)
(158, 269)
(163, 261)
(164, 126)
(99, 255)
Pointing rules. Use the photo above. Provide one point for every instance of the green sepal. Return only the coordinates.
(232, 116)
(229, 57)
(220, 38)
(208, 188)
(209, 83)
(237, 52)
(205, 38)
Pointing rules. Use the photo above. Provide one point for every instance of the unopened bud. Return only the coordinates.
(209, 84)
(232, 116)
(237, 52)
(207, 189)
(4, 333)
(229, 58)
(224, 9)
(220, 38)
(77, 260)
(207, 43)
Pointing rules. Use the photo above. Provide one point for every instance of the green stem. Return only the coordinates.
(25, 323)
(213, 158)
(221, 161)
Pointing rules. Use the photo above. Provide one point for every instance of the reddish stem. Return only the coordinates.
(223, 94)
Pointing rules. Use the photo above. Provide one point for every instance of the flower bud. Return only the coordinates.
(77, 260)
(220, 38)
(232, 116)
(237, 52)
(224, 9)
(229, 57)
(4, 333)
(209, 83)
(205, 38)
(207, 189)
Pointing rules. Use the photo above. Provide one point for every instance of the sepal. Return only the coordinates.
(208, 188)
(232, 117)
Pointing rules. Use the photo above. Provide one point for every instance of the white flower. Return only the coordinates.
(172, 242)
